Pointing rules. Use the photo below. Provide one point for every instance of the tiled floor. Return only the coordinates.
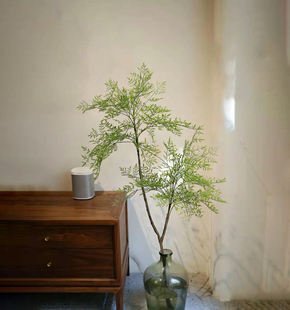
(199, 297)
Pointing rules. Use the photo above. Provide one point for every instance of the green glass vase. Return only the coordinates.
(165, 284)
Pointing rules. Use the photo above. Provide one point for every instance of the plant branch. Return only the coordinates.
(144, 193)
(166, 221)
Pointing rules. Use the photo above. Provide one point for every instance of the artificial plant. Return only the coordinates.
(173, 179)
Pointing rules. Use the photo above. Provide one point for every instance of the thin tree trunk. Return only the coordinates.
(160, 239)
(166, 222)
(145, 197)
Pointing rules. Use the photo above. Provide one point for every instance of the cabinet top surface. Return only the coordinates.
(60, 206)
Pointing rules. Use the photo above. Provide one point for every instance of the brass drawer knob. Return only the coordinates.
(46, 238)
(49, 264)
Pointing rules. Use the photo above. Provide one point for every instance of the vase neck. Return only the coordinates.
(166, 256)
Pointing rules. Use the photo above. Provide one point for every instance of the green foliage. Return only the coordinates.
(173, 179)
(176, 179)
(128, 113)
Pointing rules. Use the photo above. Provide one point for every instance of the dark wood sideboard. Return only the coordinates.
(50, 242)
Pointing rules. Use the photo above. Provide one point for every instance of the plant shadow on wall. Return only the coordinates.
(190, 241)
(247, 274)
(173, 180)
(137, 240)
(224, 256)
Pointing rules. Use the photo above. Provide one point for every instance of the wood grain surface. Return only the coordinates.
(50, 242)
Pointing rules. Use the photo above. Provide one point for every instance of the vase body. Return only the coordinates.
(165, 284)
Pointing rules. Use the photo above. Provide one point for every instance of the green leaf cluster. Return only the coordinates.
(128, 113)
(174, 179)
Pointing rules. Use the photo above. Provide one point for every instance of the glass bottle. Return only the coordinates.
(165, 284)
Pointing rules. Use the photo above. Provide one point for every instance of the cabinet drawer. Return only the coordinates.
(56, 263)
(56, 236)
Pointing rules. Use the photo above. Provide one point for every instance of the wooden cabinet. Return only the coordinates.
(50, 242)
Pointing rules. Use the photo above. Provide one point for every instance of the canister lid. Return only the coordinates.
(81, 171)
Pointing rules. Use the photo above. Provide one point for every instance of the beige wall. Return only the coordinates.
(54, 54)
(288, 29)
(251, 237)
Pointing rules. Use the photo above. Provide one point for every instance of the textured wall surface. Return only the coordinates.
(54, 54)
(251, 237)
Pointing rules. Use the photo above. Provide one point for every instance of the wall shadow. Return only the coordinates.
(246, 278)
(139, 251)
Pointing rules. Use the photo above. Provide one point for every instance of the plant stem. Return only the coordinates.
(166, 222)
(144, 194)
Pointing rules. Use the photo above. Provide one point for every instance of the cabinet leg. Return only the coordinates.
(128, 271)
(119, 298)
